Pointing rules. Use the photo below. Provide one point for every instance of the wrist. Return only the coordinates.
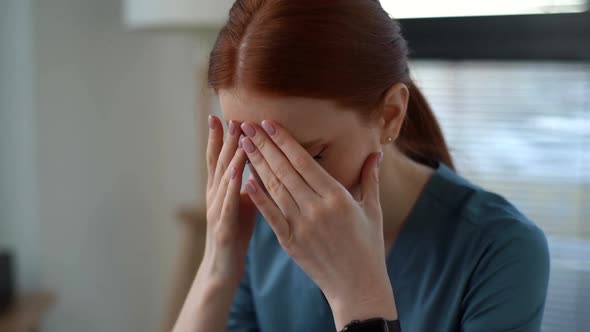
(214, 288)
(207, 304)
(378, 303)
(220, 271)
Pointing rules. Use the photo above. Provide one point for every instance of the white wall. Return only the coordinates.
(101, 145)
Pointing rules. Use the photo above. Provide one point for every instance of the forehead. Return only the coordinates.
(304, 118)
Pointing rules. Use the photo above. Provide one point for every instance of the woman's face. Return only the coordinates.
(339, 139)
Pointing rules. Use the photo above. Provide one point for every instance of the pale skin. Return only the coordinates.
(330, 183)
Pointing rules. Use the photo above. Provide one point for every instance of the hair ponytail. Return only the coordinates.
(421, 137)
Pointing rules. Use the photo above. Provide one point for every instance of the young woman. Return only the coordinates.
(354, 214)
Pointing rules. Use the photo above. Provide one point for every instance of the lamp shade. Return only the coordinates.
(176, 13)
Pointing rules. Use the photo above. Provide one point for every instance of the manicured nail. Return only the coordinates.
(233, 173)
(248, 129)
(232, 128)
(211, 122)
(268, 127)
(248, 145)
(240, 141)
(250, 188)
(380, 160)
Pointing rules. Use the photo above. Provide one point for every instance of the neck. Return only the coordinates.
(402, 180)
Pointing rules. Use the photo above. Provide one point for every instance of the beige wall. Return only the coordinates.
(19, 220)
(97, 149)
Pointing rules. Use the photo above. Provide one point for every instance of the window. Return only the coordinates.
(522, 129)
(454, 8)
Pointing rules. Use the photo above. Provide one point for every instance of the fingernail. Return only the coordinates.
(211, 122)
(250, 188)
(233, 173)
(248, 129)
(380, 160)
(232, 128)
(248, 145)
(268, 127)
(240, 141)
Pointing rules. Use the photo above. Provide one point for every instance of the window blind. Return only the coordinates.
(522, 129)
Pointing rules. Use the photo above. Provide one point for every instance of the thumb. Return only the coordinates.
(370, 180)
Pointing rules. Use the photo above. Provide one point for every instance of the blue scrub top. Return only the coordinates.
(466, 260)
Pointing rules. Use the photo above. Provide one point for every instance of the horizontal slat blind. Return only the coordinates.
(522, 129)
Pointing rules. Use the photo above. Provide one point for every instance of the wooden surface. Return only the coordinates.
(26, 313)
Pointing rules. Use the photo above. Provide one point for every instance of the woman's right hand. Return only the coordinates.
(230, 222)
(230, 212)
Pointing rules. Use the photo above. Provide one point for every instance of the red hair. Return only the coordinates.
(347, 51)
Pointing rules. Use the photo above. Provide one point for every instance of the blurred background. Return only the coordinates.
(102, 132)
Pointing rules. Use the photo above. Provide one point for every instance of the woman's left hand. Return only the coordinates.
(336, 239)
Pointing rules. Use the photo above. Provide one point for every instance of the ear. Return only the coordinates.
(393, 111)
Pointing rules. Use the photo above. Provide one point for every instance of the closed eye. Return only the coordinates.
(319, 155)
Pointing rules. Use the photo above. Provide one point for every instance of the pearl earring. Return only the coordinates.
(389, 139)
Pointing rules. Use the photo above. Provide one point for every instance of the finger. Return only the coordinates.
(238, 162)
(370, 181)
(279, 164)
(227, 151)
(317, 178)
(269, 210)
(276, 189)
(214, 144)
(231, 203)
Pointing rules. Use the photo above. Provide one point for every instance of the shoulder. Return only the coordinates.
(483, 211)
(507, 253)
(502, 225)
(507, 286)
(484, 224)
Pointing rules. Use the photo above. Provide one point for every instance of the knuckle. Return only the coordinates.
(228, 138)
(279, 139)
(335, 201)
(282, 170)
(255, 157)
(260, 143)
(316, 213)
(221, 168)
(229, 205)
(301, 162)
(292, 214)
(224, 179)
(275, 186)
(274, 219)
(210, 160)
(213, 139)
(306, 232)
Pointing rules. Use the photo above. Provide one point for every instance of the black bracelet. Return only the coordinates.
(394, 325)
(373, 325)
